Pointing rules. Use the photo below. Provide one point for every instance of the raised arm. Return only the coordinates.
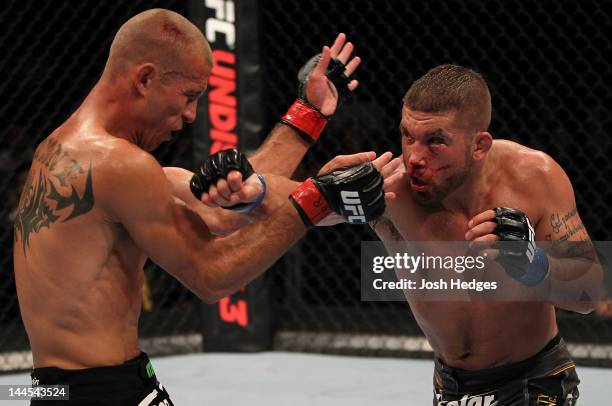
(318, 99)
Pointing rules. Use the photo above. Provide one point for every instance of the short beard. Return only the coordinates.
(436, 196)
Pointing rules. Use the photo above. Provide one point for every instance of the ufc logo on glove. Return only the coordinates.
(352, 204)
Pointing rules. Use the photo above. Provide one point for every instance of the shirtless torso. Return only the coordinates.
(476, 335)
(96, 203)
(78, 272)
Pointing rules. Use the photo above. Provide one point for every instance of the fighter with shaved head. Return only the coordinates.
(96, 204)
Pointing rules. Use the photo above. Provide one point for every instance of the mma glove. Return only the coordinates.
(355, 193)
(217, 166)
(305, 117)
(520, 258)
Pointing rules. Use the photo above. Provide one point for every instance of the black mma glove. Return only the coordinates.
(303, 116)
(520, 258)
(355, 193)
(217, 166)
(335, 73)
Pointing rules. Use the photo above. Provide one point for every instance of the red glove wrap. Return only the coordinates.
(306, 119)
(310, 203)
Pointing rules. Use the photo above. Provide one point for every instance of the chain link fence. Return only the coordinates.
(547, 66)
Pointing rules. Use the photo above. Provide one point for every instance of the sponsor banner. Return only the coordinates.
(229, 116)
(230, 113)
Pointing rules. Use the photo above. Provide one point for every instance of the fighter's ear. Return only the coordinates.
(482, 143)
(143, 74)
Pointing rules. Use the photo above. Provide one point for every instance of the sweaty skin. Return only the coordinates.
(79, 276)
(79, 294)
(96, 204)
(476, 335)
(87, 221)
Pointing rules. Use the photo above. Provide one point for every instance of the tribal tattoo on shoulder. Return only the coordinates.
(47, 199)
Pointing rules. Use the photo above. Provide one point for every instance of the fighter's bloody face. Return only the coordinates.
(436, 154)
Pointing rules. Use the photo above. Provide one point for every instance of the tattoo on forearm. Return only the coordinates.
(45, 196)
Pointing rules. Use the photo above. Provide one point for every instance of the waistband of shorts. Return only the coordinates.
(553, 353)
(138, 368)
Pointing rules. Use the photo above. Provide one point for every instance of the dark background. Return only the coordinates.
(546, 63)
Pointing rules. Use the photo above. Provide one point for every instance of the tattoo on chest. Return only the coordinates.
(49, 194)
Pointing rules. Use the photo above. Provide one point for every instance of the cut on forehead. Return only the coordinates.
(159, 36)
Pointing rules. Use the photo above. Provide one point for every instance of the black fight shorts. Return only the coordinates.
(547, 379)
(132, 383)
